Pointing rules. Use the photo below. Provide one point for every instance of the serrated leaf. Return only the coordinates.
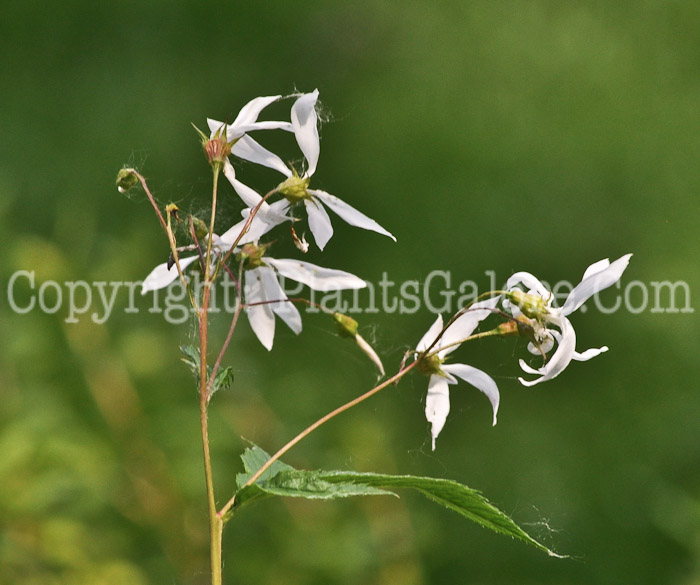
(222, 380)
(455, 496)
(282, 480)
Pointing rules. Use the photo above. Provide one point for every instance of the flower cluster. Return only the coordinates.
(525, 306)
(530, 313)
(264, 298)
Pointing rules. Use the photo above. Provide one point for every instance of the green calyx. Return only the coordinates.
(294, 189)
(216, 148)
(430, 365)
(533, 306)
(252, 255)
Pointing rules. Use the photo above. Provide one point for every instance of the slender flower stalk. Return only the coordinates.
(224, 512)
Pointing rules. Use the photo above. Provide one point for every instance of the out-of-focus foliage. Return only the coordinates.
(487, 136)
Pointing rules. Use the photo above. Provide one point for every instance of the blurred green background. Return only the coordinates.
(501, 136)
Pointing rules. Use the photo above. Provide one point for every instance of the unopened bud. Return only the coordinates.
(201, 230)
(126, 179)
(347, 326)
(252, 255)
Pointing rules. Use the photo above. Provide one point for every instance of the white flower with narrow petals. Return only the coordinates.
(537, 305)
(265, 298)
(295, 188)
(243, 146)
(437, 404)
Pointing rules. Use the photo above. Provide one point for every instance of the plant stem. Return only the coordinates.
(215, 523)
(395, 378)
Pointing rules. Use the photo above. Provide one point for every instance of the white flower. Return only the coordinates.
(261, 286)
(598, 276)
(437, 404)
(304, 124)
(246, 121)
(248, 149)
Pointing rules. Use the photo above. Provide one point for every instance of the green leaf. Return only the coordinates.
(190, 357)
(282, 480)
(223, 378)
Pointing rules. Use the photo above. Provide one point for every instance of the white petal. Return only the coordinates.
(530, 282)
(215, 126)
(319, 223)
(248, 149)
(589, 353)
(437, 405)
(561, 358)
(349, 213)
(250, 112)
(465, 324)
(305, 130)
(316, 277)
(256, 230)
(286, 309)
(431, 334)
(161, 276)
(249, 196)
(261, 318)
(596, 267)
(601, 277)
(480, 380)
(252, 198)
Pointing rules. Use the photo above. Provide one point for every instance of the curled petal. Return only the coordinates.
(597, 277)
(319, 223)
(561, 358)
(316, 277)
(250, 112)
(305, 130)
(530, 282)
(589, 353)
(161, 276)
(285, 310)
(260, 316)
(349, 213)
(480, 380)
(437, 405)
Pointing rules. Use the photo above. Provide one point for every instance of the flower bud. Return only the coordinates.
(252, 255)
(520, 326)
(201, 229)
(347, 326)
(126, 179)
(534, 306)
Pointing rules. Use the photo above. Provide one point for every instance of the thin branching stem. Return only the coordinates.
(223, 513)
